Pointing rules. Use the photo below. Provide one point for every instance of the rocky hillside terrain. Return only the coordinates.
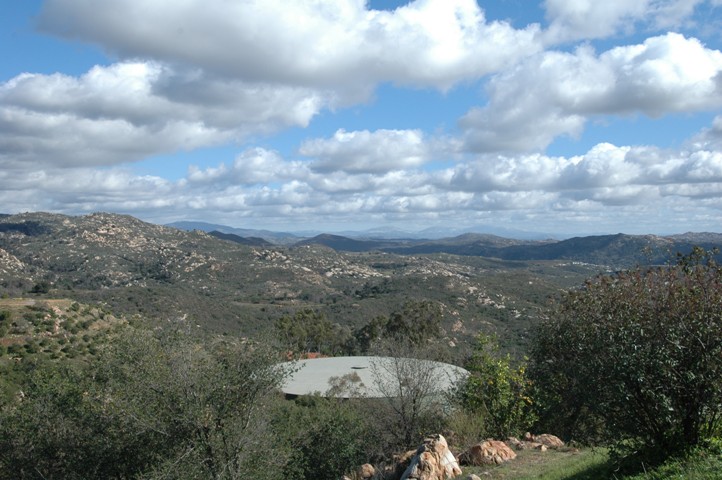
(229, 286)
(615, 251)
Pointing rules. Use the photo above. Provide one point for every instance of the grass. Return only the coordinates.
(593, 464)
(550, 465)
(700, 464)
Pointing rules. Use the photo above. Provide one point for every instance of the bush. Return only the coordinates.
(325, 438)
(41, 287)
(636, 357)
(497, 392)
(154, 405)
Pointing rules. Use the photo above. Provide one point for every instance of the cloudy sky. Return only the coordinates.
(564, 116)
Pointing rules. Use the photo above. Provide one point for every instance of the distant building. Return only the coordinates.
(367, 377)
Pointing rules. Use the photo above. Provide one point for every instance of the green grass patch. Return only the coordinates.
(595, 464)
(567, 464)
(699, 464)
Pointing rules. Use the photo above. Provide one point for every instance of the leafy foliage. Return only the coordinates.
(417, 323)
(155, 405)
(324, 437)
(636, 357)
(132, 267)
(307, 331)
(497, 392)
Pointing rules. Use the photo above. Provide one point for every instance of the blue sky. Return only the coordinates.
(567, 117)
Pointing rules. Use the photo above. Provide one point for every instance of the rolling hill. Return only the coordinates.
(240, 287)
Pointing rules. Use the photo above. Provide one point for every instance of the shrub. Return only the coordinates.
(41, 287)
(496, 391)
(636, 357)
(154, 405)
(325, 437)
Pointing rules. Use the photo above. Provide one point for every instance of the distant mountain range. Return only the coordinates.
(278, 238)
(243, 280)
(386, 233)
(232, 237)
(618, 249)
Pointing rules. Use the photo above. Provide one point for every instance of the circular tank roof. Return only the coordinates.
(367, 377)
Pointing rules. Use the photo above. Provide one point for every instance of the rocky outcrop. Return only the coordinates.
(489, 452)
(549, 441)
(539, 442)
(433, 461)
(366, 471)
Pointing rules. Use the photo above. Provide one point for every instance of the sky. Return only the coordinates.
(565, 117)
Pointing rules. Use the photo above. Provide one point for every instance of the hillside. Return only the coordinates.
(133, 267)
(241, 285)
(615, 251)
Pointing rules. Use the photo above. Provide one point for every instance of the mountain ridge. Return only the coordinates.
(481, 282)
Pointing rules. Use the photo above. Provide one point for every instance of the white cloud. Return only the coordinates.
(709, 138)
(195, 73)
(129, 111)
(603, 166)
(369, 152)
(590, 19)
(251, 167)
(202, 73)
(555, 92)
(261, 184)
(339, 45)
(606, 176)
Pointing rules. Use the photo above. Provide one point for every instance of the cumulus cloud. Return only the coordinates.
(262, 184)
(128, 111)
(709, 138)
(252, 166)
(554, 93)
(199, 73)
(339, 45)
(606, 175)
(590, 19)
(369, 152)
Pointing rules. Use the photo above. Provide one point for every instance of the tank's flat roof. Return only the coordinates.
(314, 375)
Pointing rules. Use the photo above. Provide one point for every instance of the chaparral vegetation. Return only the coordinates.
(628, 362)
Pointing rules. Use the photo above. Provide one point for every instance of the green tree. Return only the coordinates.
(5, 319)
(417, 322)
(497, 391)
(41, 287)
(306, 331)
(636, 357)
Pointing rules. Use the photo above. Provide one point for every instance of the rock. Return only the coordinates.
(515, 443)
(548, 440)
(433, 461)
(489, 452)
(366, 471)
(472, 476)
(402, 462)
(537, 442)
